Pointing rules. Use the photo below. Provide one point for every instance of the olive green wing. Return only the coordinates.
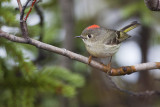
(119, 36)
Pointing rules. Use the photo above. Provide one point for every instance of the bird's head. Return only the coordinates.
(91, 33)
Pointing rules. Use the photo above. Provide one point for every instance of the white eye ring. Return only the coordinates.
(89, 35)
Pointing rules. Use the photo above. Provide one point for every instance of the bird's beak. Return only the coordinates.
(78, 37)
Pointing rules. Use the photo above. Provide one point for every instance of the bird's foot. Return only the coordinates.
(89, 59)
(109, 67)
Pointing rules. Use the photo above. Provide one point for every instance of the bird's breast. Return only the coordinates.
(101, 50)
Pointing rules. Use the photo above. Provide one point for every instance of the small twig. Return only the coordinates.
(138, 94)
(40, 14)
(113, 72)
(38, 1)
(41, 23)
(23, 9)
(23, 24)
(30, 10)
(19, 5)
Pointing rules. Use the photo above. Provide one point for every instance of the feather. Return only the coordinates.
(129, 27)
(93, 27)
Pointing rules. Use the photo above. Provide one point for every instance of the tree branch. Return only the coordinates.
(138, 94)
(153, 5)
(23, 23)
(19, 5)
(23, 9)
(113, 72)
(41, 23)
(30, 9)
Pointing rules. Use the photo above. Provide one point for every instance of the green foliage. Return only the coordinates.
(68, 77)
(52, 29)
(22, 81)
(38, 81)
(7, 13)
(14, 74)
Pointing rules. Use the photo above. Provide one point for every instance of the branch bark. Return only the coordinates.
(19, 5)
(23, 23)
(62, 51)
(138, 94)
(30, 10)
(153, 5)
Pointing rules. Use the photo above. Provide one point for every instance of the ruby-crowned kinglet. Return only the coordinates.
(101, 42)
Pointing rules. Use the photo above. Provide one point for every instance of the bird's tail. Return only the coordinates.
(129, 27)
(122, 34)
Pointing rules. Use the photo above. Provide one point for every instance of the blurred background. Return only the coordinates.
(31, 77)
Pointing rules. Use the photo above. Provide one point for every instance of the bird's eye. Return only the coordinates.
(89, 35)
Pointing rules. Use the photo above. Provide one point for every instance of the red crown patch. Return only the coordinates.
(93, 27)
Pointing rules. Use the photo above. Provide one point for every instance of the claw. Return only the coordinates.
(89, 59)
(109, 66)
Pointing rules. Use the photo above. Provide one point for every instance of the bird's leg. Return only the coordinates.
(89, 59)
(109, 64)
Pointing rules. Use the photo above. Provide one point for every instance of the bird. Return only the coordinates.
(101, 42)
